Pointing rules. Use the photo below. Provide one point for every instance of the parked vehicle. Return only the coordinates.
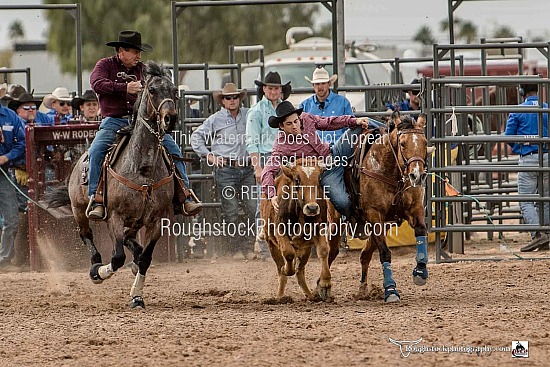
(301, 58)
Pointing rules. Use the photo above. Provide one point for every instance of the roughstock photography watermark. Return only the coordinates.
(408, 347)
(248, 228)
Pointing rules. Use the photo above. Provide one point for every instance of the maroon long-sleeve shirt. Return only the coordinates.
(114, 100)
(308, 144)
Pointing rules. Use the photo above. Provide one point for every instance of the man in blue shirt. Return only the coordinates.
(59, 105)
(12, 149)
(411, 104)
(527, 124)
(326, 103)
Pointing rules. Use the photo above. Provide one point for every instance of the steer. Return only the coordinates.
(301, 221)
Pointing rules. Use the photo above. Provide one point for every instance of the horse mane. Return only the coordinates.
(407, 122)
(154, 69)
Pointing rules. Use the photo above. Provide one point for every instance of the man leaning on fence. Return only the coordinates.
(530, 183)
(224, 131)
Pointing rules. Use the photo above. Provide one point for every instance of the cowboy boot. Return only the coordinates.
(95, 211)
(185, 201)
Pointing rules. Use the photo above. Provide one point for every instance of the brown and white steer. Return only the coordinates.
(301, 222)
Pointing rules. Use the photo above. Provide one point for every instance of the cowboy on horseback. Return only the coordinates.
(117, 80)
(298, 138)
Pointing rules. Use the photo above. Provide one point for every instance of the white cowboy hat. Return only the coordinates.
(59, 94)
(320, 75)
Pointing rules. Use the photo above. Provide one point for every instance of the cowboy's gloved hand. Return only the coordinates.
(21, 176)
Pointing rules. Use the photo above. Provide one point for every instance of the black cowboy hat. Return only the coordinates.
(528, 88)
(273, 79)
(283, 110)
(130, 39)
(414, 81)
(88, 96)
(24, 98)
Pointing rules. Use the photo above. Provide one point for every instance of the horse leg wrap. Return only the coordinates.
(420, 272)
(421, 250)
(390, 293)
(137, 287)
(388, 276)
(105, 271)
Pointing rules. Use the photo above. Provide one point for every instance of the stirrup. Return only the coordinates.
(91, 207)
(197, 209)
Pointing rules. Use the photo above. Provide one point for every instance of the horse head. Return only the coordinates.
(158, 99)
(412, 148)
(304, 175)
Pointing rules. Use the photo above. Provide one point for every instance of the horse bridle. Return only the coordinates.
(147, 189)
(156, 110)
(409, 161)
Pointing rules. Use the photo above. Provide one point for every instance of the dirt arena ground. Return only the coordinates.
(221, 313)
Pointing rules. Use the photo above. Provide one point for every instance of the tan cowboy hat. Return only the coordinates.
(14, 92)
(130, 39)
(320, 75)
(229, 89)
(59, 94)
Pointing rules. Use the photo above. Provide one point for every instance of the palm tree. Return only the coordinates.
(466, 30)
(503, 31)
(424, 36)
(16, 31)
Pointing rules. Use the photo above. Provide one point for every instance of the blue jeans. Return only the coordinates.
(528, 184)
(106, 136)
(236, 185)
(332, 179)
(10, 215)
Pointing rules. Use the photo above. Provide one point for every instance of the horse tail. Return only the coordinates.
(57, 197)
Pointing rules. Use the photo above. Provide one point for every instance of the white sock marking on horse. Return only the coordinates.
(308, 171)
(105, 271)
(137, 287)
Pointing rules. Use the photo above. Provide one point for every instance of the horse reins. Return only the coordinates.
(147, 190)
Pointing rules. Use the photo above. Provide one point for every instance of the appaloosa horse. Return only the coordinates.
(140, 185)
(392, 174)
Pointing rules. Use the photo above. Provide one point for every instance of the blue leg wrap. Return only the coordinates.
(421, 250)
(420, 272)
(388, 277)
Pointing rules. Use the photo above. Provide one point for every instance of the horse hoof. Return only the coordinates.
(137, 303)
(324, 294)
(391, 295)
(420, 275)
(94, 273)
(418, 280)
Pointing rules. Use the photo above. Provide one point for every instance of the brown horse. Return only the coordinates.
(393, 173)
(140, 185)
(301, 222)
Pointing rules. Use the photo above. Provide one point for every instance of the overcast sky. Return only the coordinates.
(370, 19)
